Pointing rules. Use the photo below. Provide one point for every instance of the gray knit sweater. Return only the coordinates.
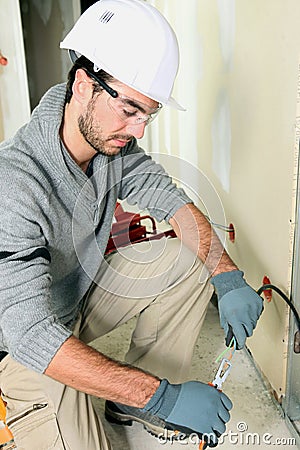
(54, 227)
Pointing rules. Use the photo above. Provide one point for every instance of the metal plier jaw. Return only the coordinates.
(222, 374)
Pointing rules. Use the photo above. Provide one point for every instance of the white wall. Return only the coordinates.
(238, 78)
(14, 97)
(32, 69)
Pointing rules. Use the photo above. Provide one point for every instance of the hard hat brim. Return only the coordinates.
(174, 104)
(171, 102)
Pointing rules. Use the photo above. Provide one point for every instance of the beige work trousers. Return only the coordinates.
(159, 283)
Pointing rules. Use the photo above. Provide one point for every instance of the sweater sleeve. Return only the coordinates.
(148, 185)
(31, 333)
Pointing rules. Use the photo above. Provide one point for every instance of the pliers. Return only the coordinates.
(221, 375)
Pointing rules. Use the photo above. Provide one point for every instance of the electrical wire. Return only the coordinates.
(231, 347)
(218, 225)
(285, 298)
(265, 286)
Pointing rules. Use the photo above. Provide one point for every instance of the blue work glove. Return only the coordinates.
(191, 407)
(239, 306)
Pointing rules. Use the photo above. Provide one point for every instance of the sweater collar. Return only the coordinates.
(49, 114)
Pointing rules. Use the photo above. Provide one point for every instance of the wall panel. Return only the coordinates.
(240, 130)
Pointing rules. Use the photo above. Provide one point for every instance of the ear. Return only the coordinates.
(82, 87)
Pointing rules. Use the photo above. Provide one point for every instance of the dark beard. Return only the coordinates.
(86, 128)
(92, 134)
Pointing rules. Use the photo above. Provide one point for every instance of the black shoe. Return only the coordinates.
(154, 425)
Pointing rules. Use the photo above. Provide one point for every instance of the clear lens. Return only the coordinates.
(132, 111)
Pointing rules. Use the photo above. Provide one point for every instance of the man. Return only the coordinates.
(61, 175)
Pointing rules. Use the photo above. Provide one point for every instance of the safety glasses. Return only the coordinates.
(127, 109)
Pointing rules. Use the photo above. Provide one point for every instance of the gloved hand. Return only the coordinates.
(191, 407)
(239, 305)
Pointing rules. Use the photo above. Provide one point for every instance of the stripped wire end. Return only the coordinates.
(231, 348)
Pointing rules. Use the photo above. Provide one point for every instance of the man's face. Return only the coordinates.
(104, 128)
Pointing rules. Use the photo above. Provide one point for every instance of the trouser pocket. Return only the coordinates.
(36, 428)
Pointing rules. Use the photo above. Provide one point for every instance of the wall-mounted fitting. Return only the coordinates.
(267, 292)
(297, 342)
(3, 60)
(231, 232)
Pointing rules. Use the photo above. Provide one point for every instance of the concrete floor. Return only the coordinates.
(255, 420)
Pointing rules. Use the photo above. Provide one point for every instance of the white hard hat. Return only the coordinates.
(133, 42)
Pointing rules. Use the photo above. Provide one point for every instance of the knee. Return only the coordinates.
(183, 263)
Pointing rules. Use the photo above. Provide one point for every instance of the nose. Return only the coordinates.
(136, 130)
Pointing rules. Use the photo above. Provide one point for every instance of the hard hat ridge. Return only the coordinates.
(133, 42)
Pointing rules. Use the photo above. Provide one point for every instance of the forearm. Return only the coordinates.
(85, 369)
(192, 227)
